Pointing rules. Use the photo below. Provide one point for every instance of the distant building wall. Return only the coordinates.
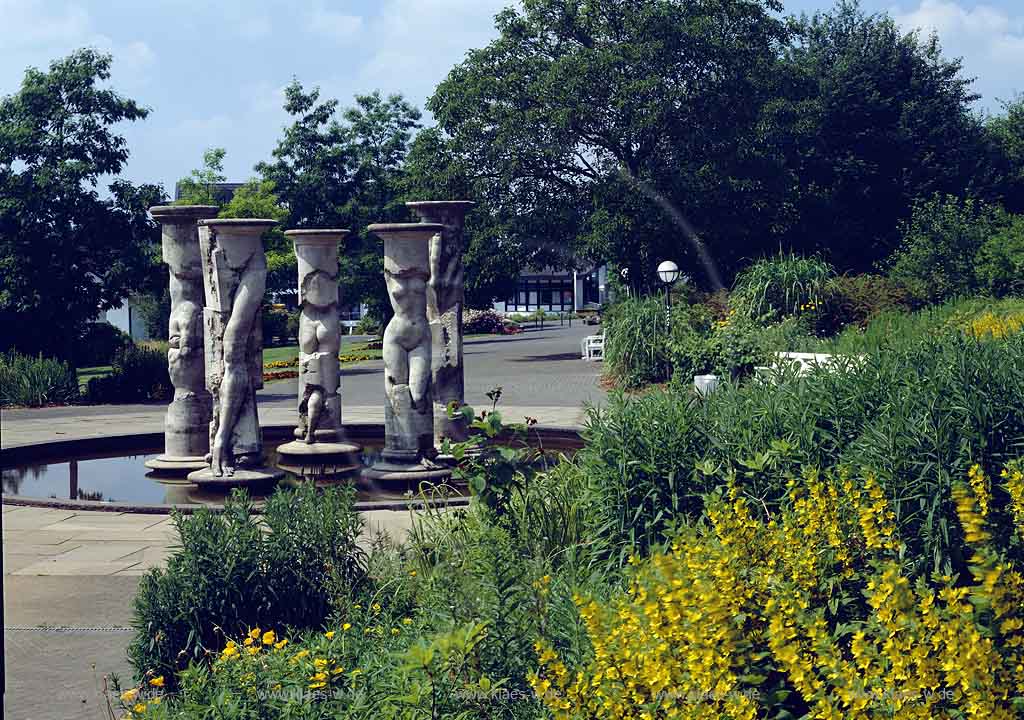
(556, 291)
(127, 319)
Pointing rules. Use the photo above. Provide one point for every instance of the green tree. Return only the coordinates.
(611, 128)
(935, 260)
(1000, 261)
(1007, 133)
(330, 173)
(493, 259)
(199, 188)
(257, 199)
(65, 253)
(868, 120)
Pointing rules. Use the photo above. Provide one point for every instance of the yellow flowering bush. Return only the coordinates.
(378, 666)
(805, 611)
(991, 325)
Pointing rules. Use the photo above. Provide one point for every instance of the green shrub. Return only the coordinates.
(936, 257)
(1000, 260)
(138, 374)
(35, 381)
(230, 575)
(780, 286)
(635, 351)
(379, 666)
(482, 322)
(98, 343)
(368, 325)
(856, 299)
(918, 414)
(276, 321)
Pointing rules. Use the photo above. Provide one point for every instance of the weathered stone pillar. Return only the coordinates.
(408, 405)
(446, 299)
(317, 449)
(186, 426)
(234, 278)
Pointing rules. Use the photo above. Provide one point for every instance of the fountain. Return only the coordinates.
(223, 444)
(318, 450)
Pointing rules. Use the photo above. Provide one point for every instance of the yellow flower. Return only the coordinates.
(316, 685)
(337, 670)
(254, 633)
(412, 573)
(319, 663)
(248, 641)
(156, 700)
(157, 681)
(269, 637)
(129, 695)
(376, 607)
(253, 650)
(139, 708)
(281, 643)
(394, 631)
(407, 621)
(346, 627)
(318, 676)
(230, 651)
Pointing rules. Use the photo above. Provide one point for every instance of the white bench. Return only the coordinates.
(592, 347)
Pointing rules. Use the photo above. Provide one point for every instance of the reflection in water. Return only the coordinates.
(126, 479)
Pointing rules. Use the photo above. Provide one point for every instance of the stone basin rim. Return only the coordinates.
(316, 232)
(554, 437)
(184, 211)
(404, 227)
(414, 204)
(238, 222)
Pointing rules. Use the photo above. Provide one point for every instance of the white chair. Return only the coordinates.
(592, 347)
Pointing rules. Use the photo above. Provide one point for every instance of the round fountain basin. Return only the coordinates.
(109, 473)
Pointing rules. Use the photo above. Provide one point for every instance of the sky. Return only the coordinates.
(213, 72)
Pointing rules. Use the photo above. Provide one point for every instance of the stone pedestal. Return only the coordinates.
(318, 449)
(186, 439)
(409, 404)
(446, 299)
(234, 280)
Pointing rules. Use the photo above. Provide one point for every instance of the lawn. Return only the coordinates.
(87, 374)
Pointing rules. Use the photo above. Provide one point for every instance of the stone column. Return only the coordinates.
(317, 449)
(186, 426)
(409, 404)
(234, 279)
(446, 298)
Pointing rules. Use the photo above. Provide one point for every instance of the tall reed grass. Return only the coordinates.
(35, 381)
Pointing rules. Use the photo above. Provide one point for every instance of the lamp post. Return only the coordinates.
(668, 272)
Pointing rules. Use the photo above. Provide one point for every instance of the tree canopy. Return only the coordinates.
(630, 131)
(66, 254)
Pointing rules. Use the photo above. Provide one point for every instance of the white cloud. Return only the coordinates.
(989, 39)
(34, 33)
(416, 42)
(333, 24)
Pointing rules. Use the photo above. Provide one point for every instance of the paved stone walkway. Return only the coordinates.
(69, 576)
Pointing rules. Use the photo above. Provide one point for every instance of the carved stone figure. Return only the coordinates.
(408, 408)
(319, 431)
(234, 277)
(446, 299)
(186, 438)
